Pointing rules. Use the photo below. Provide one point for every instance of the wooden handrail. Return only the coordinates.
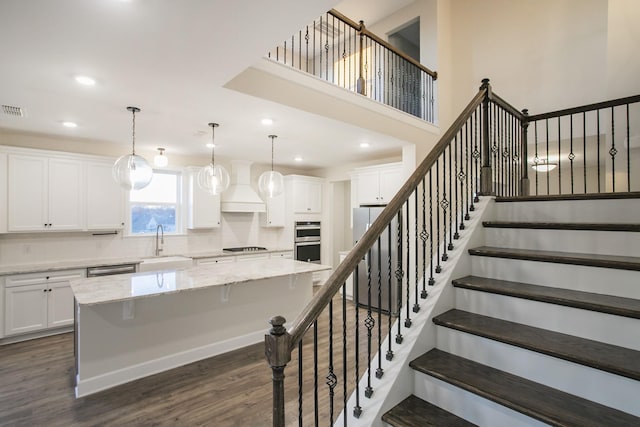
(585, 108)
(321, 299)
(360, 27)
(505, 105)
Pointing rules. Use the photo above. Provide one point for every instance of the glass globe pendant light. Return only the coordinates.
(213, 178)
(271, 183)
(132, 171)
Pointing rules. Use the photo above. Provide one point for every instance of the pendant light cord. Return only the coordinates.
(133, 133)
(272, 138)
(213, 142)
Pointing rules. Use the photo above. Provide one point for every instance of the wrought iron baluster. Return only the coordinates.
(416, 306)
(344, 352)
(432, 281)
(475, 184)
(407, 322)
(390, 293)
(315, 372)
(331, 378)
(379, 370)
(300, 391)
(571, 156)
(628, 152)
(424, 236)
(598, 144)
(464, 176)
(559, 160)
(306, 44)
(451, 201)
(357, 410)
(369, 322)
(438, 267)
(444, 204)
(536, 159)
(494, 147)
(456, 174)
(399, 277)
(613, 151)
(584, 150)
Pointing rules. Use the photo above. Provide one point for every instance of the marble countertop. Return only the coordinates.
(102, 262)
(126, 287)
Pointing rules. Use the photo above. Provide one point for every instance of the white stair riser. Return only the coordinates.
(607, 281)
(579, 241)
(616, 210)
(589, 383)
(469, 406)
(593, 325)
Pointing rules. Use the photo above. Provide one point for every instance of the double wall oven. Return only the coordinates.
(307, 241)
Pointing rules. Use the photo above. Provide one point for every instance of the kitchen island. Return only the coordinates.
(133, 325)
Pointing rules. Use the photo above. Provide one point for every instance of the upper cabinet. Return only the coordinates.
(45, 193)
(203, 209)
(275, 212)
(376, 185)
(105, 198)
(306, 194)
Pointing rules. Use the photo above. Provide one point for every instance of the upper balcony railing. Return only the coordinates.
(343, 52)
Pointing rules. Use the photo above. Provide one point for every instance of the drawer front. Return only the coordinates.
(35, 278)
(217, 260)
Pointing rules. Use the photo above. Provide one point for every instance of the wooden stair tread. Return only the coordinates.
(555, 197)
(564, 226)
(538, 401)
(606, 357)
(591, 260)
(415, 412)
(609, 304)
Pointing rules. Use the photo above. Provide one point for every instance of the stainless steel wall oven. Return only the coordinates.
(307, 241)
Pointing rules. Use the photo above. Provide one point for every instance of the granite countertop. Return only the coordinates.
(102, 262)
(126, 287)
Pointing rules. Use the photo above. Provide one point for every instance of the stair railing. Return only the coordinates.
(337, 340)
(589, 149)
(336, 49)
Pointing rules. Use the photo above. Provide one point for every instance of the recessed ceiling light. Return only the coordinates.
(364, 145)
(69, 124)
(267, 122)
(297, 159)
(85, 80)
(210, 145)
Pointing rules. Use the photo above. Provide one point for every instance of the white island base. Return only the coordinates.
(135, 325)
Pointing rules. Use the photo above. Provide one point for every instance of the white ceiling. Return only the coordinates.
(170, 58)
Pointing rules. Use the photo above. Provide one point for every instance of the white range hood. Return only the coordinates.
(240, 196)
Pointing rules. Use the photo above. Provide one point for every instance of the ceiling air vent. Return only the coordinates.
(12, 111)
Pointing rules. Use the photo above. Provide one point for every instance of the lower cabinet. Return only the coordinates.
(215, 260)
(38, 301)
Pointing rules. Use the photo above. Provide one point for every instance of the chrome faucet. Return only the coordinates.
(158, 247)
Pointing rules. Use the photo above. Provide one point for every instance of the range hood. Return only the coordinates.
(240, 196)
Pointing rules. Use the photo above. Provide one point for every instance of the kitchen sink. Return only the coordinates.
(165, 263)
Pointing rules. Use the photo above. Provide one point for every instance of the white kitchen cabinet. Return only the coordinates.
(3, 199)
(203, 209)
(105, 198)
(38, 301)
(252, 257)
(45, 194)
(282, 254)
(377, 185)
(275, 212)
(306, 194)
(215, 260)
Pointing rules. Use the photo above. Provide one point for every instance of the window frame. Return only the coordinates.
(179, 206)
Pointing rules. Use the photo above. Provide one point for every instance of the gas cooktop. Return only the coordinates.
(245, 249)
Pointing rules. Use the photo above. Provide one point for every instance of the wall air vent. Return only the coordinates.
(12, 111)
(327, 29)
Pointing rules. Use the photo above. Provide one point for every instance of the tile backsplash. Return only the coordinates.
(237, 229)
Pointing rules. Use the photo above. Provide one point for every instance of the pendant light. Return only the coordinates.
(271, 183)
(213, 178)
(161, 160)
(132, 171)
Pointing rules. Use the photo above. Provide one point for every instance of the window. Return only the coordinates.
(156, 204)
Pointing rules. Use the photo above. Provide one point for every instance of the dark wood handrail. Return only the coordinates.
(505, 105)
(363, 30)
(585, 108)
(321, 299)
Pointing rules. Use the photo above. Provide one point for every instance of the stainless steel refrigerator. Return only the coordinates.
(362, 219)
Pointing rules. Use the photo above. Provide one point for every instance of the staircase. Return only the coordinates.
(546, 329)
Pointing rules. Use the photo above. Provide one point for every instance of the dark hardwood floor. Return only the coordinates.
(233, 389)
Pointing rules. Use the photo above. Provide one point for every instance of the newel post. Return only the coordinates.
(524, 161)
(276, 350)
(360, 83)
(486, 183)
